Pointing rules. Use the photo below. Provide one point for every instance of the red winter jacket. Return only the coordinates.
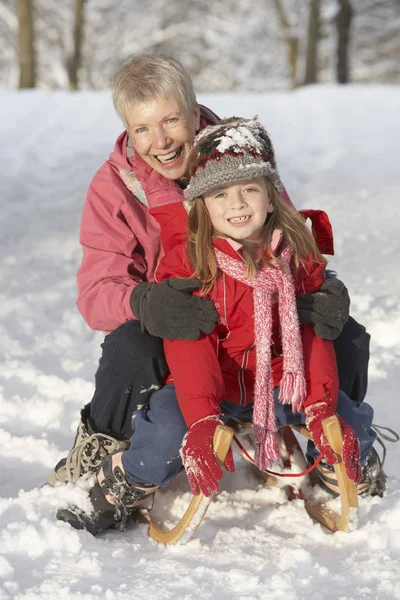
(119, 237)
(222, 365)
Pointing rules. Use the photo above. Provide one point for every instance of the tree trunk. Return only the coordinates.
(26, 44)
(343, 22)
(311, 74)
(74, 61)
(292, 41)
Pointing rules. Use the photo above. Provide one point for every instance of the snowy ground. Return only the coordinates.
(338, 149)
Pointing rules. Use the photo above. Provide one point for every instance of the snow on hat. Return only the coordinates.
(235, 149)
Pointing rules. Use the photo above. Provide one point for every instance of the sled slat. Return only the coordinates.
(303, 430)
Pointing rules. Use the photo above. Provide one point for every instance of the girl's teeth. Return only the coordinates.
(238, 219)
(169, 156)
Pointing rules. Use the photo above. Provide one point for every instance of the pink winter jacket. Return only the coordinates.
(119, 237)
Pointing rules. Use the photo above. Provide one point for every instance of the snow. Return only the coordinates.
(337, 149)
(238, 138)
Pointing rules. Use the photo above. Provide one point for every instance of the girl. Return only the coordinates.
(253, 254)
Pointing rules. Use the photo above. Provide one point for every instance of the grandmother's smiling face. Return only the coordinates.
(162, 133)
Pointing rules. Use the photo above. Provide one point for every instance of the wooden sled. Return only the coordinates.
(327, 517)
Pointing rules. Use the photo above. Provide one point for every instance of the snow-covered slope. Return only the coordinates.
(338, 150)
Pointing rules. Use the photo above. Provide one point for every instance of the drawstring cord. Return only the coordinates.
(247, 455)
(382, 436)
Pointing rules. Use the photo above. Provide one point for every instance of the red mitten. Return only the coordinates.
(199, 460)
(315, 414)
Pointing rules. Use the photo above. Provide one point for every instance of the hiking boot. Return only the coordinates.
(113, 499)
(374, 478)
(87, 453)
(373, 482)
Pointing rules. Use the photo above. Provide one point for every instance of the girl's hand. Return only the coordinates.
(315, 414)
(199, 460)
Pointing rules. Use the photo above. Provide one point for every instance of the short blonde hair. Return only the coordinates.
(149, 77)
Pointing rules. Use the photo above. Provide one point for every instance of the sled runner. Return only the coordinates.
(347, 518)
(344, 520)
(198, 506)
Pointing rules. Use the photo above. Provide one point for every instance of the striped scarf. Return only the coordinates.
(268, 281)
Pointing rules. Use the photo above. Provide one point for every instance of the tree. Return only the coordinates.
(292, 41)
(74, 60)
(26, 44)
(311, 73)
(343, 22)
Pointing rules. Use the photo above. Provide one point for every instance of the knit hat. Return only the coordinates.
(234, 150)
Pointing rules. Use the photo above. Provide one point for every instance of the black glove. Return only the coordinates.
(169, 311)
(327, 309)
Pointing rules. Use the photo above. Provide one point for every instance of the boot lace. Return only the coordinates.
(123, 494)
(86, 456)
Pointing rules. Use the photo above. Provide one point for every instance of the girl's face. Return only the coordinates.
(239, 210)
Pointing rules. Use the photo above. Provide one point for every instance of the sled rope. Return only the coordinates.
(247, 455)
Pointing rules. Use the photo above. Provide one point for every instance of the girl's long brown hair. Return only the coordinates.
(295, 232)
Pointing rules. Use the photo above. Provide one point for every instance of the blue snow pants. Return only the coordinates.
(153, 456)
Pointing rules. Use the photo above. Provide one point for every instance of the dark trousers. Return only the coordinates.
(352, 357)
(132, 367)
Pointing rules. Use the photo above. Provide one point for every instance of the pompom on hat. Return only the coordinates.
(236, 149)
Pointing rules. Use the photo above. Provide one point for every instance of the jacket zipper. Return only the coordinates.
(242, 385)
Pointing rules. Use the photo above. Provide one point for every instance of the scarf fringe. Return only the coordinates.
(267, 451)
(293, 390)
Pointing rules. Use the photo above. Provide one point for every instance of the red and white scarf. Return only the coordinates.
(270, 280)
